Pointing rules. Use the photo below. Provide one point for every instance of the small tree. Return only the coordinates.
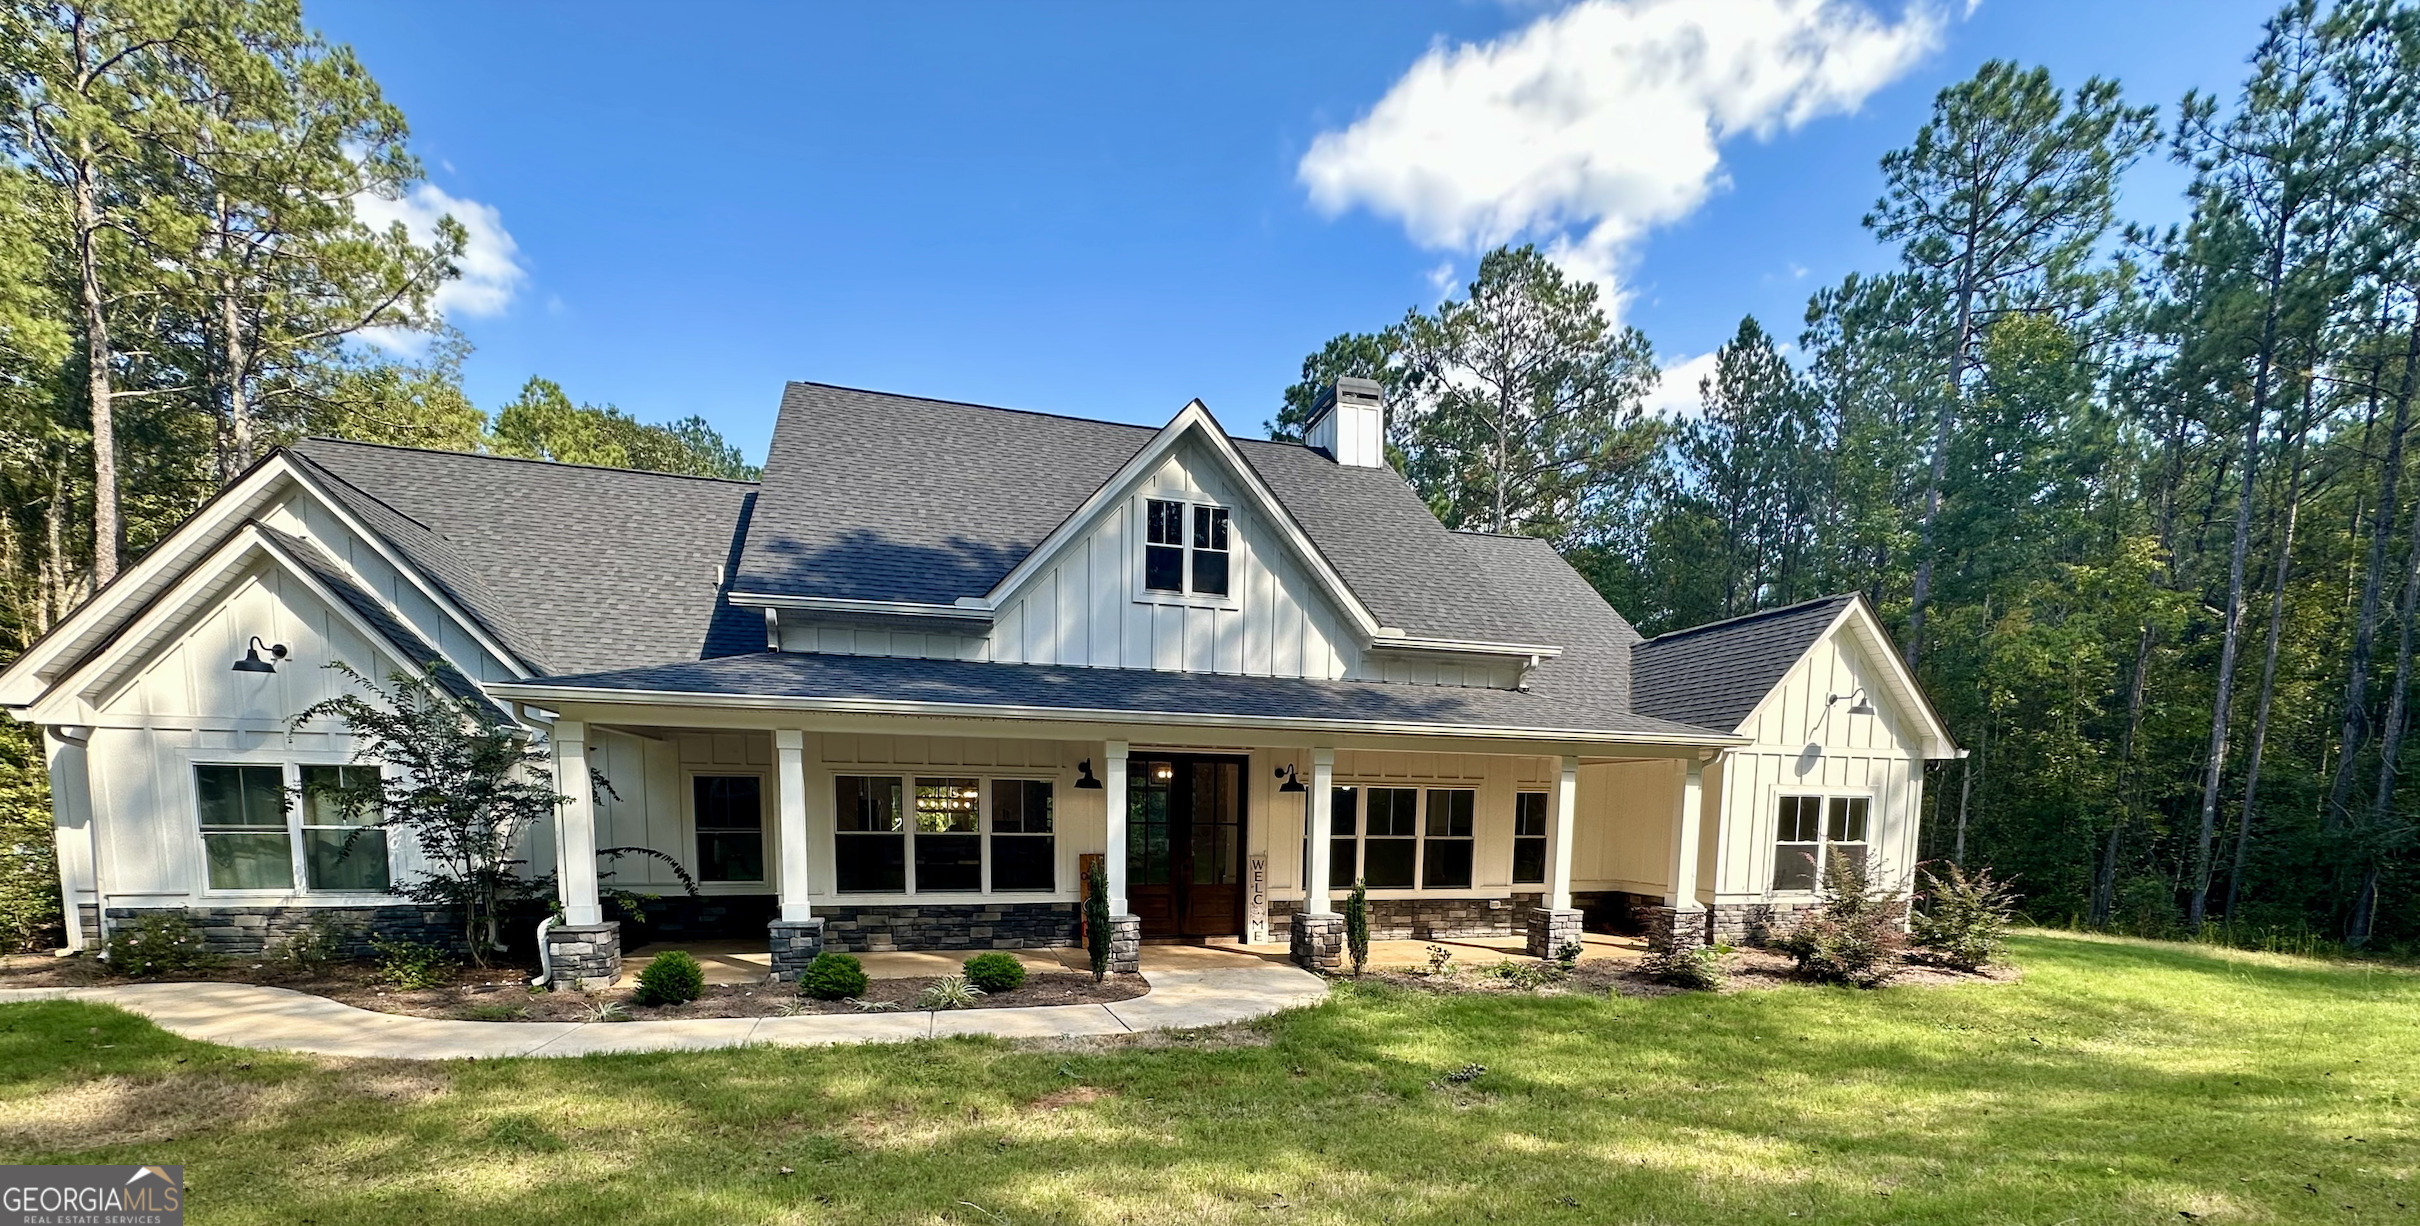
(464, 786)
(1357, 924)
(1096, 919)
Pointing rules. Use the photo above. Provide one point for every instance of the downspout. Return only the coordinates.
(546, 957)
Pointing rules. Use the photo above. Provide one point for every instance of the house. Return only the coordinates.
(899, 693)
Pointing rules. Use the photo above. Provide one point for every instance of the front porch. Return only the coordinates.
(912, 842)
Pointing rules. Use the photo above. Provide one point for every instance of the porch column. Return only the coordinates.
(1125, 928)
(1683, 922)
(1316, 937)
(576, 824)
(1554, 928)
(585, 950)
(790, 791)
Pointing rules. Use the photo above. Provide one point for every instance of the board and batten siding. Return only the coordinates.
(302, 515)
(1804, 745)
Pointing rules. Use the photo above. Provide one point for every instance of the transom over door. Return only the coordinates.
(1184, 845)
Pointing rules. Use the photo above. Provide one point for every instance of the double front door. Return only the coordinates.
(1184, 845)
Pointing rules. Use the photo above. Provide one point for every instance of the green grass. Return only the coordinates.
(2122, 1081)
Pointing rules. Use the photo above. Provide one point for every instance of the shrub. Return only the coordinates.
(313, 947)
(160, 943)
(1853, 936)
(1096, 919)
(1528, 976)
(1440, 961)
(949, 992)
(1357, 925)
(995, 972)
(670, 978)
(1965, 919)
(412, 964)
(832, 976)
(1699, 969)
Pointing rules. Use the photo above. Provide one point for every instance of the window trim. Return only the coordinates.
(289, 766)
(768, 812)
(1544, 837)
(1823, 833)
(1191, 501)
(983, 831)
(1420, 838)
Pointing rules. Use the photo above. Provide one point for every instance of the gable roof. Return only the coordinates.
(374, 612)
(1714, 675)
(575, 568)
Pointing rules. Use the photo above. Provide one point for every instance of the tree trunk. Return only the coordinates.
(236, 454)
(2365, 621)
(2268, 666)
(1922, 589)
(98, 359)
(2390, 746)
(2104, 885)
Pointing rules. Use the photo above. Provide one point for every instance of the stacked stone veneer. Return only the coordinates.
(1318, 942)
(1551, 931)
(585, 956)
(245, 932)
(1125, 944)
(1721, 924)
(1023, 925)
(795, 944)
(1432, 919)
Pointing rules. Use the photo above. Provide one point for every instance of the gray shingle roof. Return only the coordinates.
(572, 568)
(382, 619)
(803, 676)
(1714, 675)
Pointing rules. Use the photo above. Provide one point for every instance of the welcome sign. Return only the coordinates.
(92, 1195)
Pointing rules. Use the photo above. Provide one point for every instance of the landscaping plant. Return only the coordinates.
(158, 943)
(410, 964)
(316, 945)
(1096, 919)
(832, 976)
(1699, 968)
(670, 978)
(995, 972)
(949, 992)
(1853, 935)
(1357, 925)
(1965, 918)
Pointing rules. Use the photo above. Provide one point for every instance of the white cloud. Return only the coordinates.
(490, 260)
(1676, 396)
(1588, 127)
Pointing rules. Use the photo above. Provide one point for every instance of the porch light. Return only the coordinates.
(1293, 782)
(1084, 779)
(1162, 772)
(1858, 704)
(252, 663)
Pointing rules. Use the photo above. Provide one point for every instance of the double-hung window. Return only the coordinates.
(255, 836)
(1813, 829)
(730, 812)
(1393, 838)
(1529, 838)
(926, 834)
(1186, 547)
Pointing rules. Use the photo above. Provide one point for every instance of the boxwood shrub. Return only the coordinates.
(670, 978)
(832, 976)
(995, 972)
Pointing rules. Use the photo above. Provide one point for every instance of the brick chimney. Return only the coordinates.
(1348, 422)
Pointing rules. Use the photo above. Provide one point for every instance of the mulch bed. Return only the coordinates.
(501, 994)
(1748, 970)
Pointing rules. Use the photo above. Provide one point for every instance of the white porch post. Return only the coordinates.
(1567, 801)
(1686, 824)
(576, 824)
(1318, 892)
(790, 791)
(1113, 843)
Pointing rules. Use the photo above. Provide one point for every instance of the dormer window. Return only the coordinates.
(1178, 560)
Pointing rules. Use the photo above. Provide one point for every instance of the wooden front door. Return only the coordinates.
(1184, 845)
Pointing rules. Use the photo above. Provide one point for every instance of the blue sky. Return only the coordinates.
(1107, 210)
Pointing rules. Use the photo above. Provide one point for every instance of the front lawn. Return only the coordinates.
(2118, 1082)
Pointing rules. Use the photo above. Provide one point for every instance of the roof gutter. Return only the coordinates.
(531, 691)
(973, 611)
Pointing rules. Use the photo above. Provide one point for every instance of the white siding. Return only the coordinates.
(303, 516)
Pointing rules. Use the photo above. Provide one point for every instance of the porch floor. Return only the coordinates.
(743, 962)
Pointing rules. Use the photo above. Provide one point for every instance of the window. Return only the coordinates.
(1445, 843)
(1164, 545)
(870, 844)
(1024, 851)
(1811, 829)
(342, 850)
(244, 837)
(1390, 837)
(1529, 838)
(730, 827)
(1210, 550)
(949, 839)
(1344, 850)
(1171, 553)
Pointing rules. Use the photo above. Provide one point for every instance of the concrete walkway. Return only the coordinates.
(1195, 991)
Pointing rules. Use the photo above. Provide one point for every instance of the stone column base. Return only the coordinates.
(795, 944)
(585, 957)
(1125, 944)
(1551, 932)
(1671, 928)
(1318, 942)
